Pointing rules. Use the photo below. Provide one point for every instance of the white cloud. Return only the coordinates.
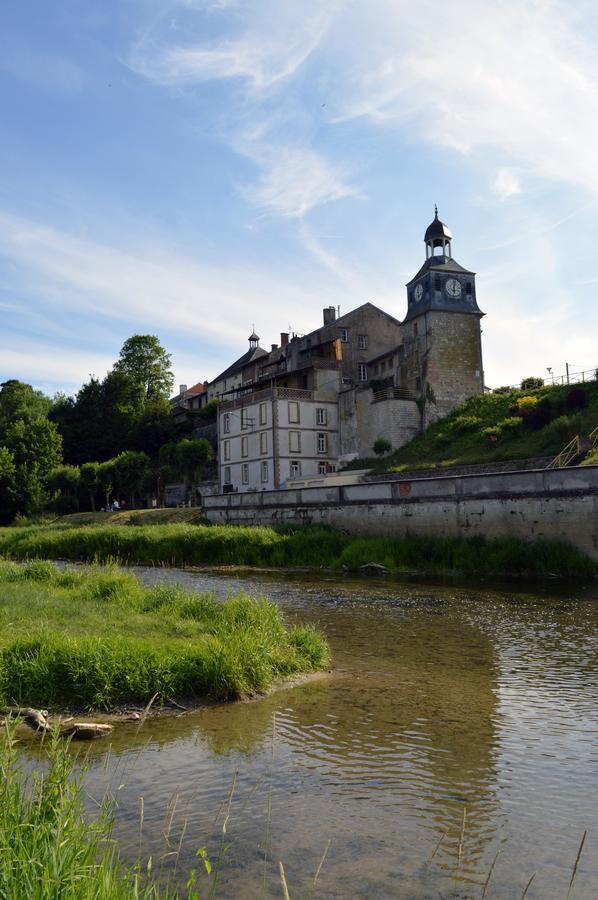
(294, 181)
(506, 184)
(273, 47)
(150, 288)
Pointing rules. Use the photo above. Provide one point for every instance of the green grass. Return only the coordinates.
(203, 545)
(463, 437)
(84, 639)
(48, 848)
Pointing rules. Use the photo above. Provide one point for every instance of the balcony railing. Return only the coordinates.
(275, 393)
(392, 393)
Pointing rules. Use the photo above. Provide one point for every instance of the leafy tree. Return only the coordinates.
(36, 449)
(130, 468)
(32, 447)
(90, 480)
(144, 359)
(63, 482)
(532, 383)
(106, 479)
(20, 401)
(192, 455)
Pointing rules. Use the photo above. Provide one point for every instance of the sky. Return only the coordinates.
(197, 168)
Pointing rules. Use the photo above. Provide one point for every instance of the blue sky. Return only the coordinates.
(190, 168)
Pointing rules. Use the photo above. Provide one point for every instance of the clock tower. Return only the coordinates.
(442, 351)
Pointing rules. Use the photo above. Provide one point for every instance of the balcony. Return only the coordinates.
(392, 393)
(260, 396)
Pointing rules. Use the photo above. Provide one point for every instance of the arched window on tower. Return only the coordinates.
(437, 283)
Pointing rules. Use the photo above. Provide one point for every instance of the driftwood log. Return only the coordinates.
(38, 720)
(35, 718)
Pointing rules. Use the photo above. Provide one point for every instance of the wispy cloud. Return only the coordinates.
(150, 288)
(295, 180)
(271, 48)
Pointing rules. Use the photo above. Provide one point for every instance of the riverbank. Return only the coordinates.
(89, 639)
(179, 544)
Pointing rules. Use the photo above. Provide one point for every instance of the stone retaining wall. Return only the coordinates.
(556, 504)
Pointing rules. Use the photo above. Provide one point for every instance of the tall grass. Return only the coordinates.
(97, 637)
(204, 545)
(48, 849)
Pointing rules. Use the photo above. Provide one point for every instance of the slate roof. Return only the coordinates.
(440, 264)
(250, 356)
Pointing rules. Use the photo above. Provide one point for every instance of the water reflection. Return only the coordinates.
(441, 700)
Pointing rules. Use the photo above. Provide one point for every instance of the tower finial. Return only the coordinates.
(435, 211)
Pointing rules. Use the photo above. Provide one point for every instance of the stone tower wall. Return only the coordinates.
(447, 352)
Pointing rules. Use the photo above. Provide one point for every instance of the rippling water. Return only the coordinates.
(456, 724)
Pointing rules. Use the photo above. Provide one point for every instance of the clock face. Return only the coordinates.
(453, 288)
(418, 292)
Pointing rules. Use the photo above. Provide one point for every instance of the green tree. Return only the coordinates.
(130, 468)
(36, 449)
(144, 359)
(532, 383)
(90, 481)
(192, 455)
(106, 479)
(20, 401)
(63, 482)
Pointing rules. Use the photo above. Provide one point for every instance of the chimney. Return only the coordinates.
(329, 315)
(274, 346)
(284, 338)
(182, 388)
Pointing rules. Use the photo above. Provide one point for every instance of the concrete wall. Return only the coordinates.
(556, 504)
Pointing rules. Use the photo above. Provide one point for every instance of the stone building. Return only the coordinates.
(435, 365)
(318, 400)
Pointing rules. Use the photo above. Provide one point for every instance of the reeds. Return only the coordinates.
(204, 545)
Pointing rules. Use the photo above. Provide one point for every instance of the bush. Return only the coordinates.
(505, 389)
(491, 434)
(512, 423)
(527, 403)
(381, 446)
(65, 505)
(463, 424)
(532, 383)
(576, 399)
(563, 429)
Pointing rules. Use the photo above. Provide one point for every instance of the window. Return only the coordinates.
(362, 341)
(321, 415)
(294, 442)
(322, 442)
(293, 411)
(264, 471)
(244, 418)
(226, 423)
(263, 442)
(227, 449)
(322, 468)
(344, 335)
(363, 371)
(437, 283)
(227, 474)
(263, 414)
(468, 287)
(245, 473)
(295, 468)
(415, 329)
(244, 446)
(418, 384)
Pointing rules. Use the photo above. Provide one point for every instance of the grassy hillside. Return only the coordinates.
(494, 427)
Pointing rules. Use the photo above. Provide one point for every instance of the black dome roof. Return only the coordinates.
(437, 230)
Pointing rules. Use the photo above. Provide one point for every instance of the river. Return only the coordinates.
(457, 723)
